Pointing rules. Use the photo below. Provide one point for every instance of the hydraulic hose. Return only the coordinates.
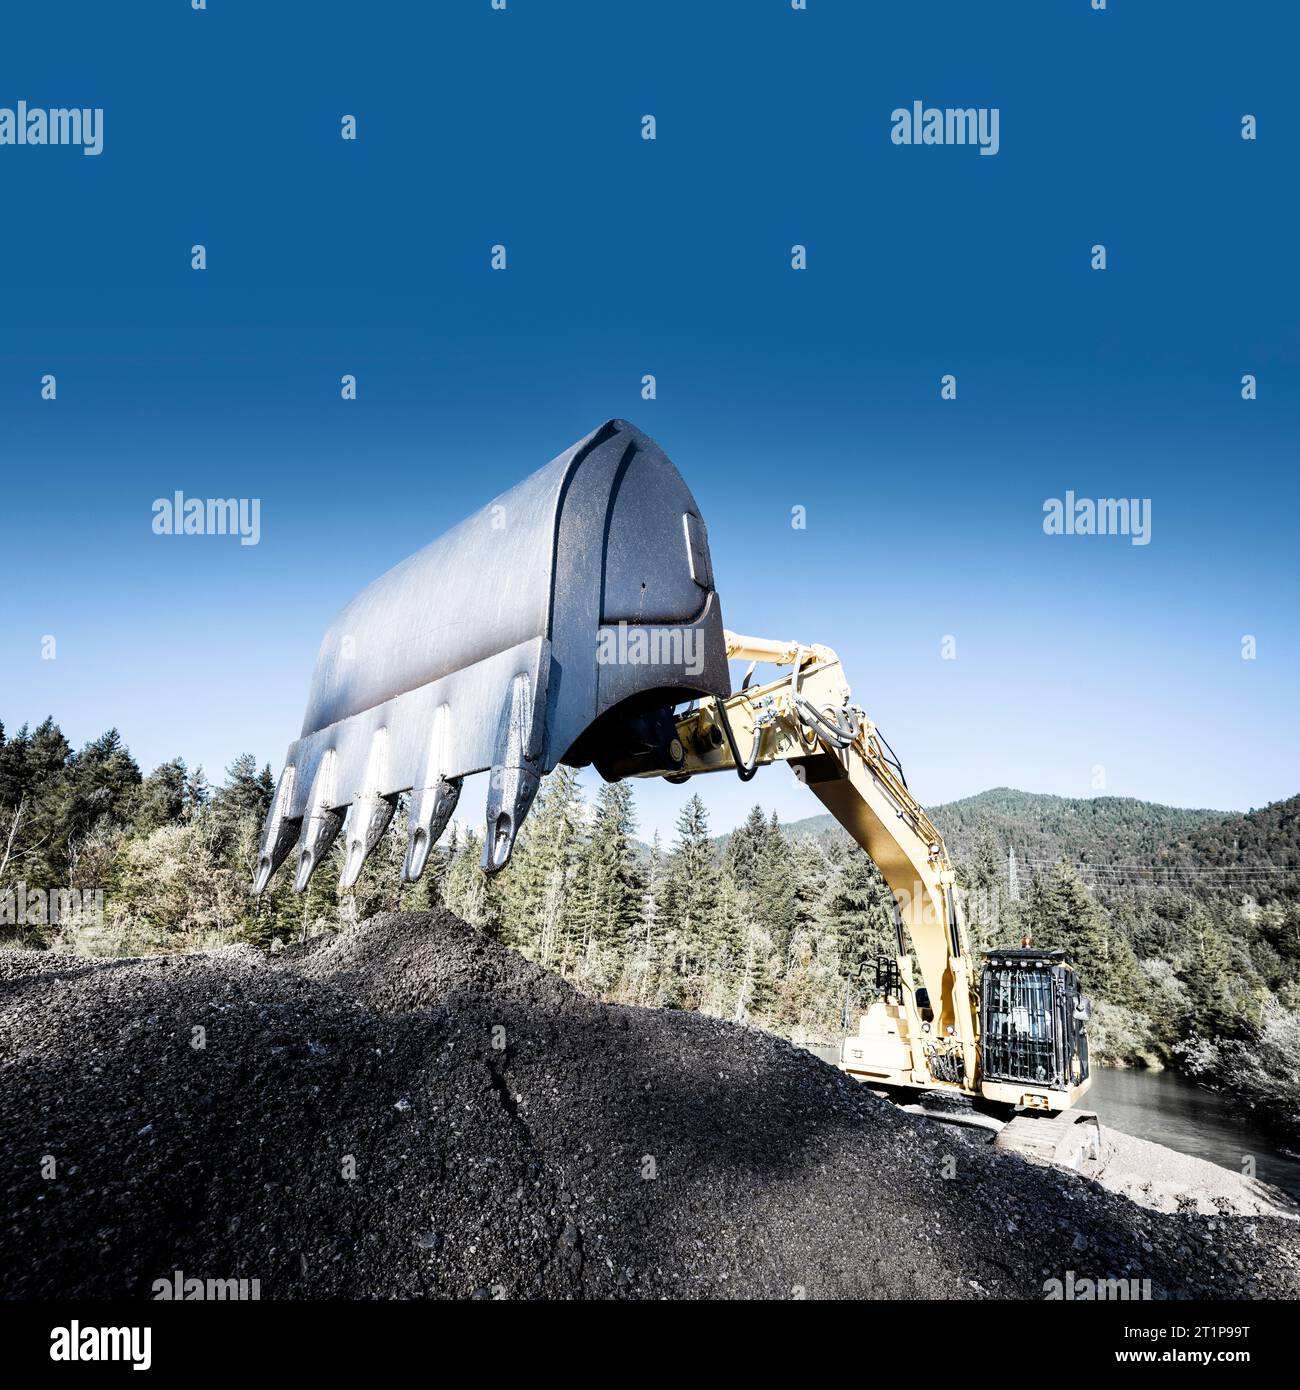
(745, 768)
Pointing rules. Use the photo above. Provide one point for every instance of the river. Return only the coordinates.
(1168, 1109)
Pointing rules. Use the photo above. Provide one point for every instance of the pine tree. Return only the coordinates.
(810, 874)
(1205, 970)
(727, 967)
(161, 798)
(986, 857)
(464, 888)
(609, 890)
(984, 878)
(645, 959)
(746, 846)
(1061, 914)
(774, 873)
(104, 780)
(245, 793)
(319, 904)
(861, 913)
(63, 796)
(536, 885)
(196, 793)
(743, 986)
(689, 908)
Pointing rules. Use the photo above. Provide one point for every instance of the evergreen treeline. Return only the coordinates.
(764, 927)
(1109, 832)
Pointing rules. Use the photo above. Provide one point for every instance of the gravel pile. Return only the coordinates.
(410, 1110)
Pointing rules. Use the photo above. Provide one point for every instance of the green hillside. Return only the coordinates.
(1105, 830)
(1116, 841)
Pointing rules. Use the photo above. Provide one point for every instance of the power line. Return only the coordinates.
(1169, 868)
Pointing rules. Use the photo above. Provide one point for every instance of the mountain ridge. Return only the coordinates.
(1107, 832)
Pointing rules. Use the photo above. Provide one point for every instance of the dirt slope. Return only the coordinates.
(410, 1110)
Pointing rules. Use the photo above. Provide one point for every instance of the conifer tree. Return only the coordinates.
(774, 873)
(609, 891)
(690, 899)
(464, 887)
(645, 959)
(860, 911)
(746, 846)
(1205, 970)
(244, 792)
(161, 798)
(538, 882)
(1061, 914)
(984, 877)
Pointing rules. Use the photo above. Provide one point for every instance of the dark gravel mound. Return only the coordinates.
(411, 1110)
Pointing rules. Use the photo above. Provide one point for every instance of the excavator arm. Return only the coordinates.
(916, 1037)
(806, 718)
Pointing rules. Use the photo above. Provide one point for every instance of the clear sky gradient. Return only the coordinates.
(776, 388)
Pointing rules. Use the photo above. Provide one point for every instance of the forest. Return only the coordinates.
(1185, 925)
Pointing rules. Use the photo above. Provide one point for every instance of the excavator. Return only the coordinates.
(574, 620)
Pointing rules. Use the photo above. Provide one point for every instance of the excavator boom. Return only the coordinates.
(808, 720)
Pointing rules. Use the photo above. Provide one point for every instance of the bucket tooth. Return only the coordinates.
(433, 803)
(369, 819)
(319, 832)
(515, 776)
(431, 809)
(371, 812)
(280, 834)
(510, 794)
(320, 825)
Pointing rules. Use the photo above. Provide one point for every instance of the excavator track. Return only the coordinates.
(1070, 1139)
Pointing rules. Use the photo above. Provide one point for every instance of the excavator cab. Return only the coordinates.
(1033, 1041)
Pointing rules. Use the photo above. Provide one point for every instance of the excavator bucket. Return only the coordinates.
(561, 623)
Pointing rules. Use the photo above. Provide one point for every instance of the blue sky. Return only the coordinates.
(776, 388)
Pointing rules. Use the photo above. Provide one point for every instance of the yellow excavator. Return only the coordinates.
(574, 619)
(1009, 1035)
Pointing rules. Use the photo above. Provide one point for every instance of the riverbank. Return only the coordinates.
(1171, 1110)
(1165, 1179)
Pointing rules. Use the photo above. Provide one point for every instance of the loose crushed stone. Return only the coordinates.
(1166, 1180)
(411, 1110)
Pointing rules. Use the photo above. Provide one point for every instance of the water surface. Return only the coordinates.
(1168, 1109)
